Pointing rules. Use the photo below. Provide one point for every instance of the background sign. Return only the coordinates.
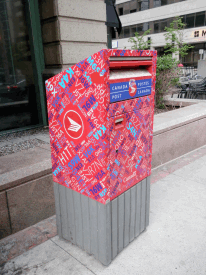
(114, 44)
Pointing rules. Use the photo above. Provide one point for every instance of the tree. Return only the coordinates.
(139, 41)
(167, 73)
(174, 38)
(166, 77)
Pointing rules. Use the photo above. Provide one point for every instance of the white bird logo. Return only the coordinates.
(74, 127)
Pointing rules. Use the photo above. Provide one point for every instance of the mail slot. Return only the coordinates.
(101, 124)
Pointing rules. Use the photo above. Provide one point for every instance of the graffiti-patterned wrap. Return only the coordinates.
(100, 147)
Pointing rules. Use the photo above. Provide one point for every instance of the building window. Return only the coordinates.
(160, 51)
(131, 11)
(133, 30)
(200, 19)
(157, 3)
(127, 8)
(140, 29)
(133, 6)
(126, 32)
(120, 11)
(163, 24)
(190, 20)
(171, 1)
(143, 5)
(156, 26)
(163, 2)
(17, 74)
(145, 26)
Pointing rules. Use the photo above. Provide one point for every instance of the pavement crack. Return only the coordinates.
(74, 257)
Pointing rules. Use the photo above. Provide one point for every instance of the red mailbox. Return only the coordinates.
(101, 124)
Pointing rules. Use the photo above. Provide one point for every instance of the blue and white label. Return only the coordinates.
(124, 90)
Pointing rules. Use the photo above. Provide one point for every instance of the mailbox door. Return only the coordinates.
(129, 141)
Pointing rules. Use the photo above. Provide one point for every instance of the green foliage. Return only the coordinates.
(167, 73)
(139, 42)
(165, 62)
(166, 77)
(174, 38)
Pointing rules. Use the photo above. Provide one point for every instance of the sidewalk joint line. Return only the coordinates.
(9, 215)
(73, 257)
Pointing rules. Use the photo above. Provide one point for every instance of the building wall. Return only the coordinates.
(158, 40)
(71, 31)
(164, 12)
(167, 11)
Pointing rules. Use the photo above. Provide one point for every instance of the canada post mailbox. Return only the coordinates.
(101, 125)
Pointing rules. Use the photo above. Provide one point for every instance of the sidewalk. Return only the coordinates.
(174, 242)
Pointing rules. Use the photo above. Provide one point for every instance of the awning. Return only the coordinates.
(112, 16)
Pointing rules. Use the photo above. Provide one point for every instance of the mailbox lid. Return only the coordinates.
(128, 73)
(129, 160)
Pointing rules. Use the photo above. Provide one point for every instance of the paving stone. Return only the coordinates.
(176, 164)
(45, 146)
(87, 260)
(31, 202)
(42, 137)
(194, 171)
(22, 241)
(46, 258)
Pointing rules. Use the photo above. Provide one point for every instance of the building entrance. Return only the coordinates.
(20, 85)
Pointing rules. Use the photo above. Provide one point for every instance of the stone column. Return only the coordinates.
(71, 31)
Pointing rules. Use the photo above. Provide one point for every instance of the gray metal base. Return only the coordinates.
(102, 230)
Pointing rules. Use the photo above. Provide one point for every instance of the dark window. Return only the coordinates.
(149, 41)
(200, 19)
(157, 3)
(156, 27)
(17, 74)
(163, 2)
(169, 21)
(190, 20)
(160, 51)
(145, 5)
(163, 24)
(133, 30)
(140, 29)
(126, 32)
(183, 17)
(120, 11)
(121, 35)
(139, 6)
(198, 46)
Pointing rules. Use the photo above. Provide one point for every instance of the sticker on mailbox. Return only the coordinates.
(130, 89)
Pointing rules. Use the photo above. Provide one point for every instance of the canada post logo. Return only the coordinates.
(132, 87)
(73, 124)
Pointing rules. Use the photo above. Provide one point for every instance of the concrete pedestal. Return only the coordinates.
(102, 230)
